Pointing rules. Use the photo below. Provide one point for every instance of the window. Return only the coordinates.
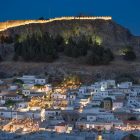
(91, 117)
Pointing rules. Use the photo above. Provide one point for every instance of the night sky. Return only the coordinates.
(124, 12)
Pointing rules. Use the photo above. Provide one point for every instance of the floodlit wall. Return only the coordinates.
(15, 23)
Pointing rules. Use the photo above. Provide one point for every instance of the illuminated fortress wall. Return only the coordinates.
(15, 23)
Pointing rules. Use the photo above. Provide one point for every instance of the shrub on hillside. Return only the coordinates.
(99, 55)
(129, 54)
(1, 59)
(36, 48)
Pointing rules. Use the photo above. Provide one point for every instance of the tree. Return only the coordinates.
(129, 54)
(15, 57)
(36, 48)
(1, 59)
(99, 55)
(18, 81)
(132, 119)
(68, 50)
(130, 137)
(59, 40)
(6, 39)
(76, 49)
(9, 103)
(125, 77)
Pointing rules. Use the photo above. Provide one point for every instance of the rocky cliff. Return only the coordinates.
(107, 32)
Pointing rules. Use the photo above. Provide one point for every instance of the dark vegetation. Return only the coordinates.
(1, 59)
(9, 103)
(132, 119)
(125, 77)
(36, 48)
(130, 137)
(18, 81)
(6, 39)
(129, 54)
(99, 56)
(45, 48)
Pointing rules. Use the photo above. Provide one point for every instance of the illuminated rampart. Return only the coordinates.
(14, 23)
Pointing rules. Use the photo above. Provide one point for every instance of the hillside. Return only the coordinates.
(108, 32)
(105, 32)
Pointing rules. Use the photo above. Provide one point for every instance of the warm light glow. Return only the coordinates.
(10, 24)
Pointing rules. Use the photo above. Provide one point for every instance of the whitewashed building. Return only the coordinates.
(26, 92)
(59, 96)
(40, 81)
(125, 85)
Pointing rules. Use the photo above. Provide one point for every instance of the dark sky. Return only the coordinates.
(125, 12)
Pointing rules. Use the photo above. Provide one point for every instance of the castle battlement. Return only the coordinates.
(15, 23)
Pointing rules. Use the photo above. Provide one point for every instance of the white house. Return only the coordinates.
(33, 114)
(40, 81)
(98, 121)
(95, 88)
(117, 104)
(91, 117)
(107, 84)
(133, 94)
(1, 82)
(48, 87)
(22, 105)
(28, 86)
(95, 103)
(13, 87)
(13, 97)
(125, 85)
(26, 92)
(10, 114)
(52, 112)
(2, 101)
(84, 101)
(135, 88)
(31, 79)
(72, 97)
(7, 113)
(133, 102)
(93, 110)
(58, 96)
(106, 116)
(28, 79)
(101, 95)
(61, 128)
(83, 90)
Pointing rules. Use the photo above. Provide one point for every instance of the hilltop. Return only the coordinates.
(103, 31)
